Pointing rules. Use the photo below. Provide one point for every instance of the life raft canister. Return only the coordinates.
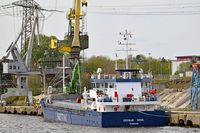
(152, 91)
(129, 95)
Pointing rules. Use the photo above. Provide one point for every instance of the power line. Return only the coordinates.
(21, 4)
(55, 9)
(156, 9)
(150, 5)
(148, 9)
(146, 13)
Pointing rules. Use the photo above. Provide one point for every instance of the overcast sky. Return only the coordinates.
(161, 35)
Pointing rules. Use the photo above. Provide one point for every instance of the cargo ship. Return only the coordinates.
(122, 100)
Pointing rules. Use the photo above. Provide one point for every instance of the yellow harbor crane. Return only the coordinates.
(75, 40)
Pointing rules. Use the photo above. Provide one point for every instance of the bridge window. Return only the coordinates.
(93, 85)
(142, 85)
(10, 67)
(127, 75)
(111, 85)
(102, 85)
(106, 85)
(97, 85)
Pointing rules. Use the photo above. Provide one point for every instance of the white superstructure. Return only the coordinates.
(129, 91)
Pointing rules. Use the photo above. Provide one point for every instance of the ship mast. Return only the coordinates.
(126, 37)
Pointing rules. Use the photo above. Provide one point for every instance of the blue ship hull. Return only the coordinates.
(105, 119)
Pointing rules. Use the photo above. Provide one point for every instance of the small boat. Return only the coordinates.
(122, 100)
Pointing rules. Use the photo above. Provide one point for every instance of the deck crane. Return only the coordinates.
(75, 40)
(18, 65)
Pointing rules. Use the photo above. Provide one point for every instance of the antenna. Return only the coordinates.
(126, 37)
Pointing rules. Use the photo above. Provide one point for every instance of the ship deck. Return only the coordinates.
(66, 104)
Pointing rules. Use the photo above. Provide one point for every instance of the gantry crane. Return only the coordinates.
(19, 65)
(194, 87)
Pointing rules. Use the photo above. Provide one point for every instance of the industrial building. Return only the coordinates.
(183, 59)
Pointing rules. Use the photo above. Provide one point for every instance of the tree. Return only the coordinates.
(92, 64)
(38, 53)
(184, 67)
(42, 51)
(85, 80)
(163, 59)
(140, 57)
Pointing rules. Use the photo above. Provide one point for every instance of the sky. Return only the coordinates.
(165, 36)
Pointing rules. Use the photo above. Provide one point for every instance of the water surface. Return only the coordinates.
(33, 124)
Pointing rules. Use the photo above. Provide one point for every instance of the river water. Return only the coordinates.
(33, 124)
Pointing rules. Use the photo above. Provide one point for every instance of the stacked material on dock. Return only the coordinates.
(26, 110)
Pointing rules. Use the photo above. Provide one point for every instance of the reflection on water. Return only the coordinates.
(34, 124)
